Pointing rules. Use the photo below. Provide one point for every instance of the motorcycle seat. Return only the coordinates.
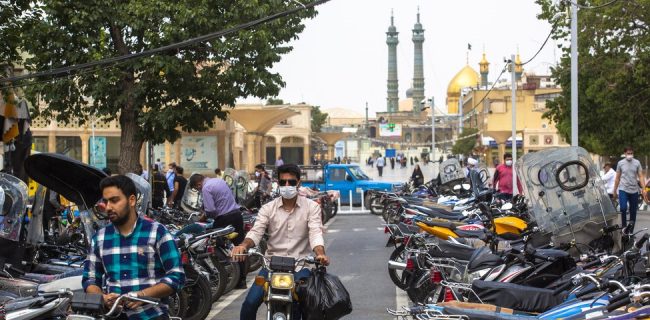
(432, 222)
(439, 213)
(514, 296)
(479, 234)
(483, 258)
(407, 229)
(446, 249)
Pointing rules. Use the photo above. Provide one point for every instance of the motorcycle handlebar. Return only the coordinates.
(591, 264)
(118, 302)
(639, 244)
(620, 303)
(587, 291)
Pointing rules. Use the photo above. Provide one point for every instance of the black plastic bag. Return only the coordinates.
(323, 297)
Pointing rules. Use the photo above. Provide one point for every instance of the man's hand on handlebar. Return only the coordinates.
(239, 253)
(109, 299)
(323, 259)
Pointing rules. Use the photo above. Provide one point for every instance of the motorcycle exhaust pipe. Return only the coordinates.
(394, 265)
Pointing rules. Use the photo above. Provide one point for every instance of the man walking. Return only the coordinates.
(171, 176)
(279, 162)
(380, 164)
(629, 178)
(503, 178)
(608, 179)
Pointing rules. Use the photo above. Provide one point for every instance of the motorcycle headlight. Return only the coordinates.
(282, 281)
(476, 275)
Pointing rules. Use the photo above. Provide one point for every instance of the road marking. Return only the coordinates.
(381, 228)
(225, 300)
(401, 298)
(333, 230)
(358, 229)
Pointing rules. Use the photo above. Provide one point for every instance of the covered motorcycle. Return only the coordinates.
(566, 196)
(72, 179)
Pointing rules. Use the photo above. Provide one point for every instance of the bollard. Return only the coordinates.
(350, 200)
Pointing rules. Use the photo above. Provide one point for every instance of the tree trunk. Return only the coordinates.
(130, 141)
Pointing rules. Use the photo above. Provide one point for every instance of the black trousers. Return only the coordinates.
(235, 219)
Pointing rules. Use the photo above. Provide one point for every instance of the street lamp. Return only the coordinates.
(433, 125)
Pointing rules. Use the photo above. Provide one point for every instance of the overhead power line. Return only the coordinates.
(105, 62)
(540, 48)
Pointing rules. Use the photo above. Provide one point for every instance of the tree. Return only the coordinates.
(318, 119)
(156, 97)
(465, 145)
(12, 20)
(274, 102)
(613, 75)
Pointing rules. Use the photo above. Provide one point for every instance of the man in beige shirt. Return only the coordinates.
(294, 226)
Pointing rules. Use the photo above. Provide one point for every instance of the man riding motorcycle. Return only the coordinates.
(295, 230)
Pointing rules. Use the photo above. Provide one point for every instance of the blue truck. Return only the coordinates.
(343, 178)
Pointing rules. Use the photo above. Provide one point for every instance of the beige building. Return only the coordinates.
(285, 132)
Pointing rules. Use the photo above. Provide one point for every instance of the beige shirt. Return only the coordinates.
(291, 234)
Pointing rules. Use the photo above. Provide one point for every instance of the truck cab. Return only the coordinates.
(344, 178)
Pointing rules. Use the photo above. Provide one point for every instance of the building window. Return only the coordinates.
(69, 146)
(40, 144)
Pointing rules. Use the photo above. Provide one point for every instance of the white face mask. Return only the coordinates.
(508, 163)
(257, 173)
(629, 157)
(288, 192)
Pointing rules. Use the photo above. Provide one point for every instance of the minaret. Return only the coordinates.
(392, 98)
(418, 66)
(485, 69)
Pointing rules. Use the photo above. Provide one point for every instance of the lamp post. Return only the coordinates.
(514, 123)
(433, 129)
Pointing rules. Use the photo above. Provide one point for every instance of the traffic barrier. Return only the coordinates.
(351, 208)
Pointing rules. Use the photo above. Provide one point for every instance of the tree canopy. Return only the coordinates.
(318, 119)
(465, 145)
(155, 97)
(613, 74)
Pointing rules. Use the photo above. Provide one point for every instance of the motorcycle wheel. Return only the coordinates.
(376, 207)
(177, 304)
(424, 292)
(218, 277)
(232, 270)
(199, 299)
(400, 278)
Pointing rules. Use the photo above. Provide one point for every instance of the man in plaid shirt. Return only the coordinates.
(132, 254)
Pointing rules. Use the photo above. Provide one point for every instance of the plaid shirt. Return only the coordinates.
(134, 262)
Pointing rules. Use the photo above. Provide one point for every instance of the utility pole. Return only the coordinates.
(433, 130)
(574, 74)
(514, 124)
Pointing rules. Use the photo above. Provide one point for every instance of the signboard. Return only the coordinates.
(391, 153)
(199, 153)
(390, 130)
(97, 152)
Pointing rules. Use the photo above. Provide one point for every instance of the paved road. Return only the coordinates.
(355, 243)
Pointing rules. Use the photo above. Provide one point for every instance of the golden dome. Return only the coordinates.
(466, 77)
(484, 64)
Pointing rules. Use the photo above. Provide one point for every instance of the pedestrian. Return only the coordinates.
(629, 179)
(502, 180)
(471, 164)
(159, 164)
(609, 178)
(179, 189)
(160, 189)
(171, 175)
(217, 172)
(411, 159)
(380, 164)
(264, 187)
(403, 162)
(141, 172)
(392, 163)
(416, 159)
(417, 177)
(279, 162)
(131, 255)
(219, 204)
